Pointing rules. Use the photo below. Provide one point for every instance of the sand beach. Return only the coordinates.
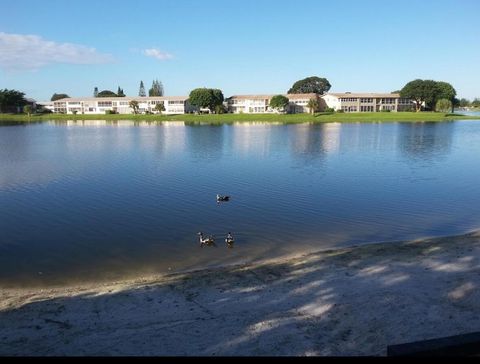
(346, 302)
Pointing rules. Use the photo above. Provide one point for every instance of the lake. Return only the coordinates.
(98, 200)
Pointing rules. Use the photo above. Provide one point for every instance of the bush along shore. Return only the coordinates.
(12, 119)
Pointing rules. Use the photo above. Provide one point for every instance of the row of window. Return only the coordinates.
(388, 101)
(366, 108)
(257, 109)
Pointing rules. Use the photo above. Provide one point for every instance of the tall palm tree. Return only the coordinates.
(313, 105)
(159, 107)
(134, 105)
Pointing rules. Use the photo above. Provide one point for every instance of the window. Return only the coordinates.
(366, 108)
(104, 104)
(366, 100)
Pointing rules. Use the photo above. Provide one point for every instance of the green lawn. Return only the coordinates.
(231, 118)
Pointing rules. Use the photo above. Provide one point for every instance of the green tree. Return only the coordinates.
(313, 105)
(120, 92)
(56, 97)
(446, 91)
(160, 107)
(443, 105)
(279, 102)
(476, 102)
(218, 98)
(464, 102)
(312, 84)
(95, 92)
(107, 93)
(141, 91)
(134, 105)
(220, 109)
(418, 91)
(157, 89)
(27, 109)
(206, 98)
(428, 92)
(11, 100)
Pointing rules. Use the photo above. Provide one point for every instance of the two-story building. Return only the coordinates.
(367, 102)
(260, 104)
(121, 105)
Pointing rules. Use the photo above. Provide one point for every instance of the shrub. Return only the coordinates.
(340, 111)
(220, 109)
(443, 105)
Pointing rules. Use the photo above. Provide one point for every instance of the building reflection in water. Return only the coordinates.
(312, 142)
(254, 139)
(427, 141)
(205, 142)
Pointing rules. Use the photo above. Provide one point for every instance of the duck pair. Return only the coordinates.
(210, 240)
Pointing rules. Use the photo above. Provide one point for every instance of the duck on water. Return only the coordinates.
(223, 198)
(205, 240)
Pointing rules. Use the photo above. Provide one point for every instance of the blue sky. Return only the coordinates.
(241, 47)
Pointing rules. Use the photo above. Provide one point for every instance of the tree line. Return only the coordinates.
(431, 95)
(427, 94)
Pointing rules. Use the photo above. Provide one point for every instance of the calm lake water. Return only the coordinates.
(98, 200)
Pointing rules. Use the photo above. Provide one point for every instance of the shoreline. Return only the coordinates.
(5, 119)
(348, 301)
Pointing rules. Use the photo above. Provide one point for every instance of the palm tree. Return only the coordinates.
(159, 107)
(313, 105)
(134, 105)
(27, 109)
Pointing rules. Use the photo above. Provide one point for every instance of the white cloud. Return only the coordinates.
(18, 51)
(158, 54)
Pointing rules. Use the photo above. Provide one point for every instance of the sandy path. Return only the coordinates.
(352, 301)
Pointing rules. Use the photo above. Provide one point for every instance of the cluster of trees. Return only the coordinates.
(156, 89)
(468, 103)
(280, 103)
(310, 85)
(108, 93)
(436, 95)
(134, 105)
(56, 96)
(208, 98)
(12, 101)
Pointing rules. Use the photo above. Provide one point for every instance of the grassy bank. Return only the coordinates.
(231, 118)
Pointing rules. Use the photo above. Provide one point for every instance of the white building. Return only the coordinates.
(367, 102)
(121, 105)
(260, 104)
(47, 105)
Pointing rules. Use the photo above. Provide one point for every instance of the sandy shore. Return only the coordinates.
(353, 301)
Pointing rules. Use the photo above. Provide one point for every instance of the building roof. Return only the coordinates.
(263, 97)
(138, 98)
(363, 94)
